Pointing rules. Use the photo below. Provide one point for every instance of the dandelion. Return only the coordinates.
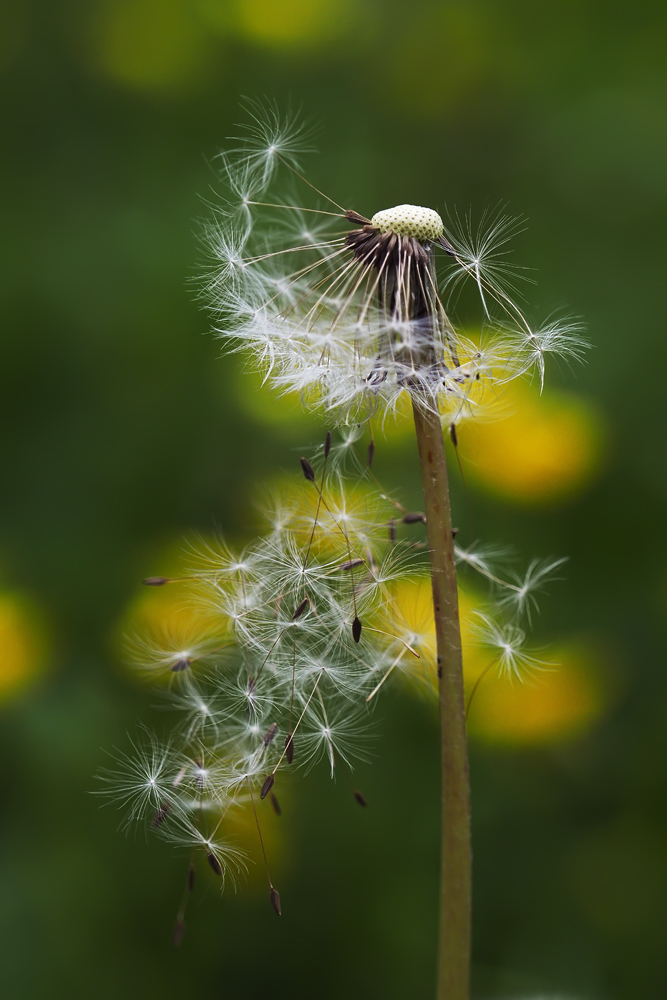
(311, 620)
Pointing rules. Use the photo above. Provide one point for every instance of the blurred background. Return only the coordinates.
(123, 430)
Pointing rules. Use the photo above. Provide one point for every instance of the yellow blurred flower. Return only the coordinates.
(23, 641)
(148, 44)
(292, 23)
(547, 446)
(548, 706)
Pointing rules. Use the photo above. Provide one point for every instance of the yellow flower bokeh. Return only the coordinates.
(292, 23)
(546, 447)
(148, 44)
(549, 706)
(24, 644)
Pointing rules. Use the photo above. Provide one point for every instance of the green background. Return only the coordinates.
(122, 429)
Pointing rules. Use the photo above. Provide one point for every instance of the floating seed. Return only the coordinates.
(289, 749)
(179, 665)
(452, 434)
(392, 530)
(179, 931)
(301, 608)
(276, 805)
(415, 518)
(214, 863)
(155, 581)
(371, 453)
(275, 900)
(356, 630)
(360, 797)
(191, 878)
(327, 444)
(267, 786)
(352, 564)
(160, 816)
(308, 470)
(270, 733)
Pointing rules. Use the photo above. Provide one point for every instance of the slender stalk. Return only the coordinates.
(456, 860)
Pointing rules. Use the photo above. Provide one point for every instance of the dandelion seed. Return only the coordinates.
(214, 863)
(275, 804)
(267, 786)
(413, 519)
(360, 797)
(307, 470)
(275, 901)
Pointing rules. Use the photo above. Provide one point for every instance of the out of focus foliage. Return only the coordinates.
(123, 429)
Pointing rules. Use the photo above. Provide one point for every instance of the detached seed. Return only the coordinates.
(415, 518)
(275, 901)
(289, 749)
(276, 805)
(214, 863)
(155, 581)
(267, 786)
(301, 608)
(270, 733)
(327, 444)
(308, 470)
(352, 564)
(361, 798)
(371, 453)
(356, 630)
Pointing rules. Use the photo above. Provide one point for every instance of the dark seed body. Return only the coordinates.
(352, 564)
(179, 665)
(308, 470)
(267, 786)
(301, 608)
(415, 518)
(327, 444)
(191, 878)
(360, 797)
(155, 581)
(214, 863)
(179, 931)
(356, 630)
(270, 734)
(276, 805)
(275, 901)
(289, 749)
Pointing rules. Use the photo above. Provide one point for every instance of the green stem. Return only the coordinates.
(456, 862)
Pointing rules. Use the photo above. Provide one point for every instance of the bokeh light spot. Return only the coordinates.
(149, 44)
(292, 22)
(547, 447)
(23, 644)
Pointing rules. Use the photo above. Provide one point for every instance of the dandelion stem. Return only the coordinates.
(456, 860)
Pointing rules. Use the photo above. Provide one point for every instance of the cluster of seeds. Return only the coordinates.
(298, 635)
